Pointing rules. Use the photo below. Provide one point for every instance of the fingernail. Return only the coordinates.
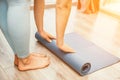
(50, 41)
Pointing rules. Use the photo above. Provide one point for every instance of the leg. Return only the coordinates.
(85, 6)
(3, 21)
(78, 4)
(62, 14)
(88, 3)
(39, 14)
(19, 31)
(95, 6)
(19, 26)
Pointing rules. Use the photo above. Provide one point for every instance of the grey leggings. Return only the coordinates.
(15, 25)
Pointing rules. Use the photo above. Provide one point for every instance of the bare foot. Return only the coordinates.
(46, 36)
(32, 62)
(65, 48)
(87, 12)
(33, 54)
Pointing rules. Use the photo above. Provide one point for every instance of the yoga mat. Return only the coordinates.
(88, 57)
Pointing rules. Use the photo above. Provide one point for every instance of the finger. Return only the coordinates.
(51, 36)
(48, 39)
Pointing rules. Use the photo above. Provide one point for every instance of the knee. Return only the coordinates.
(63, 4)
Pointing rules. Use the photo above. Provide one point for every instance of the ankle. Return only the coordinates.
(16, 60)
(25, 61)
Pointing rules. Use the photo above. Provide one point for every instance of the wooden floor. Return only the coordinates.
(101, 29)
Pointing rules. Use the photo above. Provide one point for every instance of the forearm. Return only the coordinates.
(62, 14)
(39, 14)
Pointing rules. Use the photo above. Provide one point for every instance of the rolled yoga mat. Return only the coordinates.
(88, 57)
